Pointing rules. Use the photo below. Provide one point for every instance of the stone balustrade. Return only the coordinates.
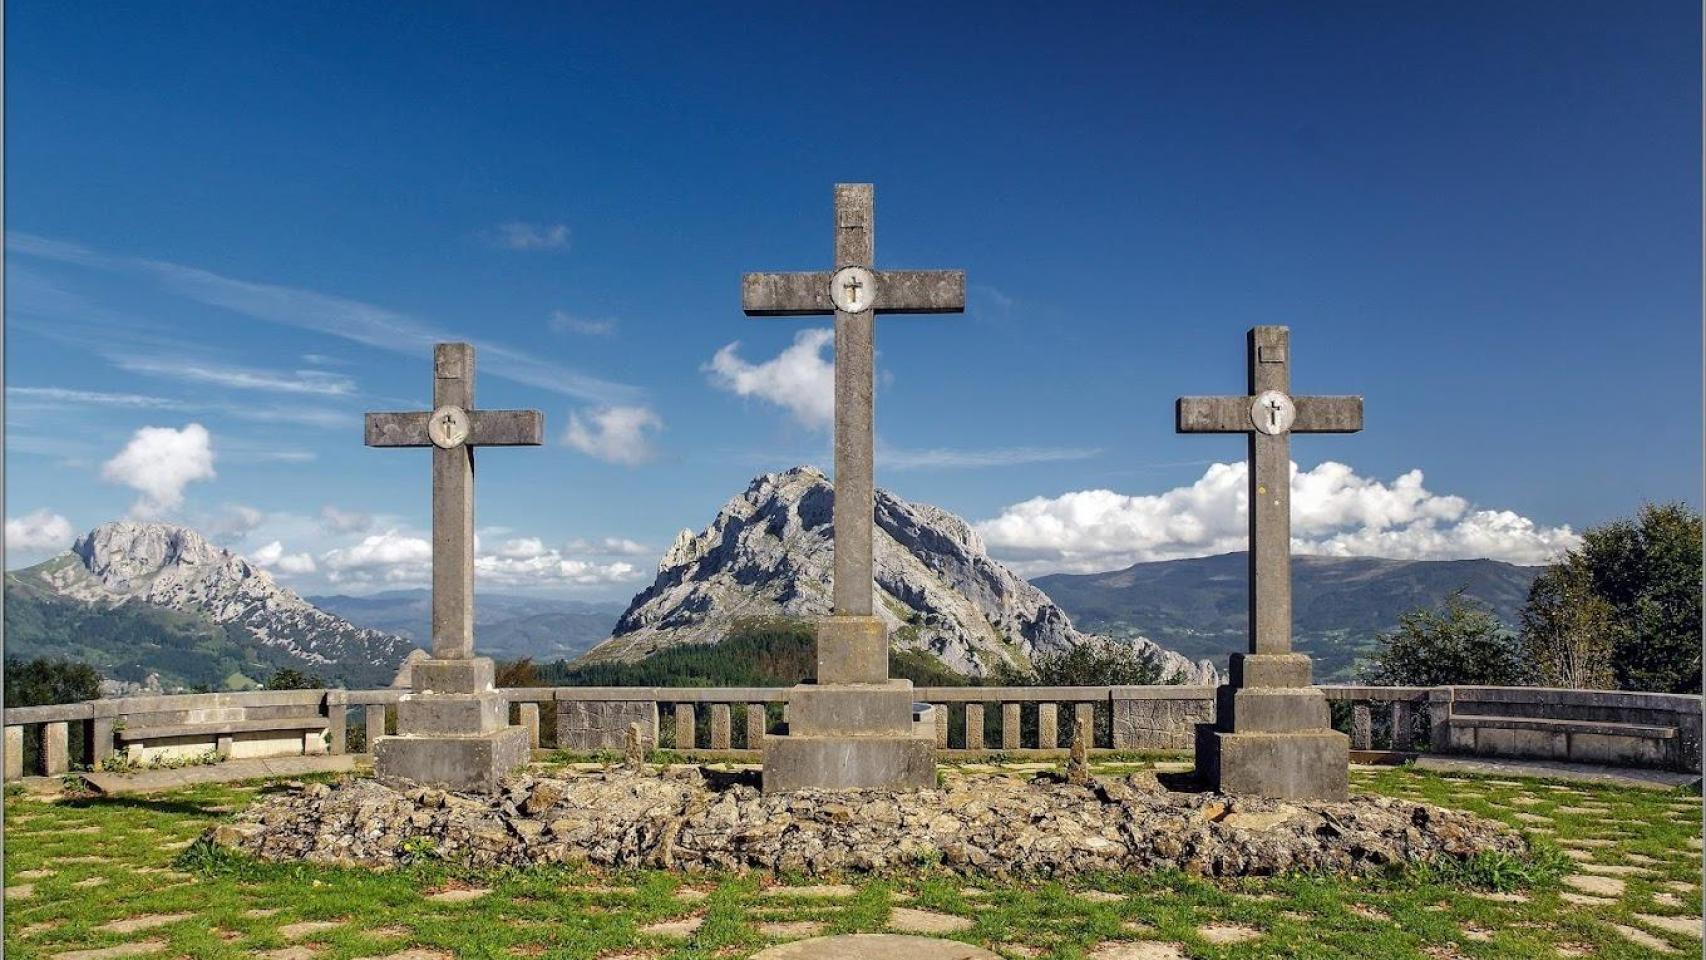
(1610, 727)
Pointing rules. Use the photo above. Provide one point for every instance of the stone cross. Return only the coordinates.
(854, 291)
(1269, 415)
(453, 429)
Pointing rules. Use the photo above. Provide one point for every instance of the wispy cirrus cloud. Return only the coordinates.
(313, 382)
(523, 236)
(564, 322)
(33, 399)
(367, 324)
(950, 458)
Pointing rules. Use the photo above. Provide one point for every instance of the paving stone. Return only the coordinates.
(1615, 870)
(813, 890)
(1531, 817)
(1596, 885)
(458, 895)
(1583, 900)
(691, 895)
(144, 922)
(22, 891)
(912, 920)
(1100, 896)
(307, 928)
(1502, 897)
(1223, 933)
(30, 930)
(88, 882)
(682, 927)
(1580, 856)
(1682, 925)
(37, 874)
(108, 953)
(260, 912)
(1138, 950)
(1593, 842)
(1680, 886)
(793, 929)
(421, 953)
(288, 953)
(874, 946)
(1668, 900)
(1367, 912)
(1573, 949)
(1023, 950)
(1642, 938)
(1479, 934)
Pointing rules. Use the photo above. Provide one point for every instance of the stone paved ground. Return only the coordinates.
(111, 878)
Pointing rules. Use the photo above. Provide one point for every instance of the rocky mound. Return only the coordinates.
(987, 824)
(770, 552)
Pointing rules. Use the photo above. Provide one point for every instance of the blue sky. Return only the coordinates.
(255, 219)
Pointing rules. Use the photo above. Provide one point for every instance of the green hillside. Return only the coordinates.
(1339, 604)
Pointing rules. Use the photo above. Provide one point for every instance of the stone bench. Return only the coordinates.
(232, 739)
(1576, 741)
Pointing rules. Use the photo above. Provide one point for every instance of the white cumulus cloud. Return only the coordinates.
(273, 557)
(334, 520)
(38, 530)
(614, 434)
(159, 462)
(389, 557)
(1335, 512)
(800, 379)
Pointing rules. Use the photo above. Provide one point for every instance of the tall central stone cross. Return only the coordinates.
(453, 728)
(853, 727)
(1271, 734)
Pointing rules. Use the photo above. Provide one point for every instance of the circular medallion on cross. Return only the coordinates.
(448, 427)
(1272, 413)
(853, 289)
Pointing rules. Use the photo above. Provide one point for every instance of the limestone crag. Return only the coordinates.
(976, 824)
(176, 567)
(770, 552)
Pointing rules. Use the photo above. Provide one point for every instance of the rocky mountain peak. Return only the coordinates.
(124, 555)
(770, 552)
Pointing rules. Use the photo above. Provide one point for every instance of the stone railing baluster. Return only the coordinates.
(1048, 726)
(685, 727)
(1010, 726)
(974, 726)
(721, 736)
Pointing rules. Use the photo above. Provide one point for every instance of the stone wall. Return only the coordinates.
(1151, 718)
(588, 726)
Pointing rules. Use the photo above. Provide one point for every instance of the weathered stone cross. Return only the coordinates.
(853, 292)
(1271, 734)
(454, 428)
(453, 727)
(1269, 416)
(853, 728)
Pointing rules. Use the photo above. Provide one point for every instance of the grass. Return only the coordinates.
(125, 859)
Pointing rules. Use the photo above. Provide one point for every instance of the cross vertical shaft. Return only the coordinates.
(1270, 500)
(453, 512)
(855, 397)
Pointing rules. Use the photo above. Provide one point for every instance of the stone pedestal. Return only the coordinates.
(453, 730)
(1272, 735)
(854, 729)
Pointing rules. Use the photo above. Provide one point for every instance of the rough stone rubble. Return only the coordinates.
(684, 819)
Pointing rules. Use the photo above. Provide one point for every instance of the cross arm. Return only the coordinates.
(1213, 415)
(487, 428)
(785, 294)
(1327, 414)
(921, 291)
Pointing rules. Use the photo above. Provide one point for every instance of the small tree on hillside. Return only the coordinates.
(1458, 642)
(1569, 632)
(293, 679)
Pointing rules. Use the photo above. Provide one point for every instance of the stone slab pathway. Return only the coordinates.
(875, 946)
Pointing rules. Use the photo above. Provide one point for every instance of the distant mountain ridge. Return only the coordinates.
(506, 626)
(136, 598)
(769, 552)
(1198, 606)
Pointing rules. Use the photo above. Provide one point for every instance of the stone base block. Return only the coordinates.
(465, 764)
(1271, 709)
(852, 650)
(449, 714)
(862, 709)
(475, 675)
(1284, 766)
(1269, 670)
(849, 763)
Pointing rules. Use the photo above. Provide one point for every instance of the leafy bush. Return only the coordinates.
(1458, 642)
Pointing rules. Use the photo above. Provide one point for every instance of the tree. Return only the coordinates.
(46, 680)
(1091, 664)
(1569, 632)
(293, 679)
(1457, 642)
(1648, 570)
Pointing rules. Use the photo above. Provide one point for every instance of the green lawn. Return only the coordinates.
(114, 873)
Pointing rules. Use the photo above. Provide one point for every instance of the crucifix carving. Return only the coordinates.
(1269, 415)
(854, 291)
(453, 429)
